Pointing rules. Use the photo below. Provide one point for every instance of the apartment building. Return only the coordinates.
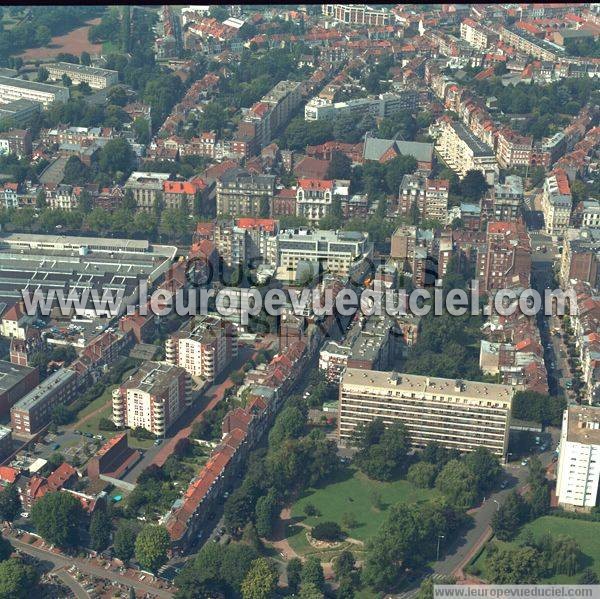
(578, 471)
(19, 112)
(385, 105)
(414, 252)
(464, 152)
(463, 415)
(147, 188)
(507, 198)
(357, 14)
(33, 411)
(19, 89)
(15, 382)
(204, 347)
(274, 110)
(477, 35)
(6, 442)
(505, 260)
(180, 195)
(556, 202)
(425, 198)
(580, 257)
(337, 252)
(372, 343)
(16, 142)
(153, 398)
(530, 45)
(260, 238)
(78, 73)
(241, 193)
(513, 150)
(314, 198)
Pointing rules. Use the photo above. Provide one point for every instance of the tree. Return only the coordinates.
(10, 503)
(42, 74)
(265, 511)
(486, 468)
(545, 409)
(117, 95)
(261, 580)
(6, 549)
(395, 170)
(294, 570)
(66, 80)
(458, 483)
(57, 517)
(117, 156)
(141, 130)
(343, 565)
(326, 531)
(473, 186)
(250, 536)
(18, 580)
(566, 555)
(100, 529)
(151, 547)
(124, 540)
(42, 36)
(514, 566)
(289, 424)
(312, 573)
(509, 517)
(422, 474)
(382, 452)
(340, 166)
(310, 590)
(588, 577)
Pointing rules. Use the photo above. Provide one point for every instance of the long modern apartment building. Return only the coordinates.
(337, 251)
(579, 458)
(357, 14)
(19, 89)
(463, 152)
(457, 414)
(33, 412)
(153, 398)
(78, 73)
(203, 347)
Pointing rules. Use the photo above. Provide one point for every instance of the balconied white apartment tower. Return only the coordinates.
(578, 472)
(457, 414)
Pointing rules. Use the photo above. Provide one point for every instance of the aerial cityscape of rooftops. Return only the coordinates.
(299, 300)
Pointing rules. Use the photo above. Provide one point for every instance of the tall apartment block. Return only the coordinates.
(34, 410)
(457, 414)
(203, 347)
(19, 89)
(357, 14)
(78, 73)
(578, 472)
(153, 398)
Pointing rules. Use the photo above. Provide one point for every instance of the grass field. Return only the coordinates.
(351, 492)
(587, 534)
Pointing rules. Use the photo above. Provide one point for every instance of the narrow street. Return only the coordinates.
(59, 561)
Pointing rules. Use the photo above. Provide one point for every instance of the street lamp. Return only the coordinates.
(438, 547)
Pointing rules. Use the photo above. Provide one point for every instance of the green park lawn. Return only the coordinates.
(586, 533)
(351, 492)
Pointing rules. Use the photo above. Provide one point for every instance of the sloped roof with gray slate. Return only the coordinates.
(374, 148)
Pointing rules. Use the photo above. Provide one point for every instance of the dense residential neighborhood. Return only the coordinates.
(167, 171)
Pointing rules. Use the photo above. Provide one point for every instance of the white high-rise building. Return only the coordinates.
(579, 462)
